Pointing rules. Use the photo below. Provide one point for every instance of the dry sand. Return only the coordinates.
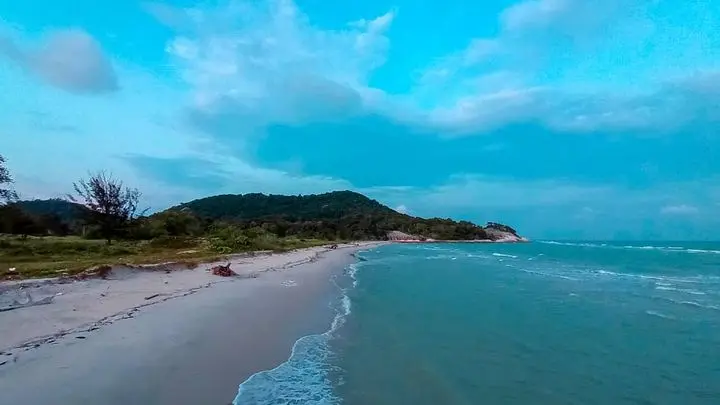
(103, 342)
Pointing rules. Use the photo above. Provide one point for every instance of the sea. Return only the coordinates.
(541, 323)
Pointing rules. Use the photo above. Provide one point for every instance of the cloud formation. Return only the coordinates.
(71, 60)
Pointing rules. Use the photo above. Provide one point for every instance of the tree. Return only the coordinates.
(112, 206)
(6, 195)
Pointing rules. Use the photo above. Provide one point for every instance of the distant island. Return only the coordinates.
(205, 228)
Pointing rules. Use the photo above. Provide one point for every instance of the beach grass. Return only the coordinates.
(53, 256)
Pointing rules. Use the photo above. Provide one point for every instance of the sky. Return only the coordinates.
(566, 119)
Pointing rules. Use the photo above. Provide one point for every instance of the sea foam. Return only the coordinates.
(305, 376)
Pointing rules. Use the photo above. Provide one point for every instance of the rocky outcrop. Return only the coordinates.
(502, 233)
(495, 233)
(397, 236)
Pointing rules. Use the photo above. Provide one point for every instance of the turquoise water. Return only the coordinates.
(532, 324)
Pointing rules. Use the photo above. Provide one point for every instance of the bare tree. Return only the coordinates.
(111, 205)
(6, 194)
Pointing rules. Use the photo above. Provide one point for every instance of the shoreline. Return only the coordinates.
(194, 343)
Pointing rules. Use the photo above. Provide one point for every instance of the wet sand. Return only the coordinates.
(187, 348)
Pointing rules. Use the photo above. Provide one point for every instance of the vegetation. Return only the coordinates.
(342, 215)
(52, 256)
(111, 206)
(6, 194)
(51, 237)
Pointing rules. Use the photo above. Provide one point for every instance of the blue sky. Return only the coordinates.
(565, 118)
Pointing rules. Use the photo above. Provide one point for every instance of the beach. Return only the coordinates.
(165, 335)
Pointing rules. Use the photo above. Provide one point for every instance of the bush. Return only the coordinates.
(228, 239)
(173, 242)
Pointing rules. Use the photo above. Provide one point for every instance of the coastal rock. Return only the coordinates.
(502, 233)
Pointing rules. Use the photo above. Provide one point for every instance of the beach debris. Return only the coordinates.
(223, 271)
(97, 271)
(152, 296)
(80, 337)
(12, 270)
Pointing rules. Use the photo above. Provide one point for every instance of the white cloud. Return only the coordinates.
(70, 59)
(682, 209)
(570, 17)
(254, 64)
(244, 49)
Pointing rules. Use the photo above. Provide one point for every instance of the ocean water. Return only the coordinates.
(532, 324)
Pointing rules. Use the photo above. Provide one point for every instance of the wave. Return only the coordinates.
(504, 255)
(305, 376)
(682, 290)
(542, 273)
(664, 281)
(676, 249)
(687, 303)
(659, 314)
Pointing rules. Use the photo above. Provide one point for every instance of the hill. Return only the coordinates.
(340, 215)
(66, 211)
(41, 217)
(336, 215)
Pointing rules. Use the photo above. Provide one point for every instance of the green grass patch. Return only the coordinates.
(36, 257)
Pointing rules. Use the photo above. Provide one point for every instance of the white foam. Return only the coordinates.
(659, 314)
(504, 255)
(542, 273)
(682, 290)
(675, 249)
(304, 376)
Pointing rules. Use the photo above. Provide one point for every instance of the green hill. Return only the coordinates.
(340, 215)
(336, 215)
(66, 211)
(41, 217)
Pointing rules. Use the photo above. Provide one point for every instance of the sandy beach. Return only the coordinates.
(164, 336)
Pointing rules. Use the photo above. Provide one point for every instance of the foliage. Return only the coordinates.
(200, 230)
(500, 227)
(6, 194)
(239, 222)
(342, 215)
(111, 206)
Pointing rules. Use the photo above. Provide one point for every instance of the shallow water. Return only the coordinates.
(540, 323)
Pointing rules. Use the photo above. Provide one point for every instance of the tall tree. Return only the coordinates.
(6, 194)
(112, 206)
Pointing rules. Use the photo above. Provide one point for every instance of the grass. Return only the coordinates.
(51, 256)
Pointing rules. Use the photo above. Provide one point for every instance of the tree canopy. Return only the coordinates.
(239, 219)
(6, 193)
(111, 205)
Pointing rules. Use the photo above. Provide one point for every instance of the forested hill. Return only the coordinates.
(335, 205)
(63, 210)
(341, 215)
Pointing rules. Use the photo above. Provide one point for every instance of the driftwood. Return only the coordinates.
(223, 271)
